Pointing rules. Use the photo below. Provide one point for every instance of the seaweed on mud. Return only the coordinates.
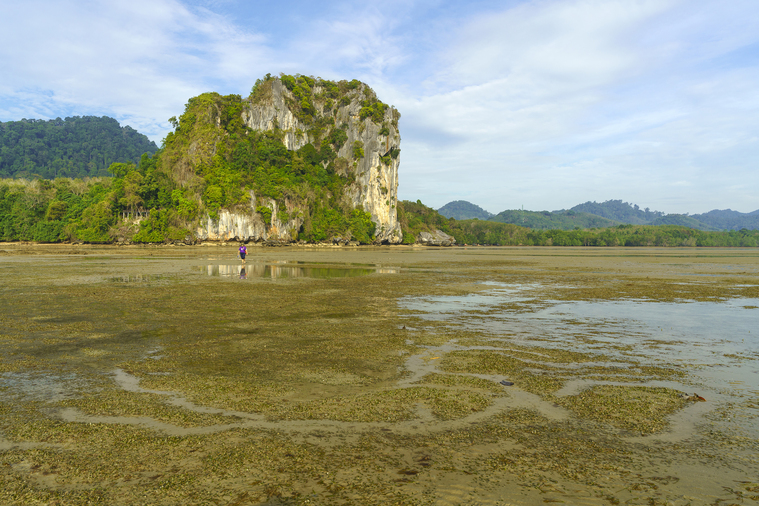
(323, 364)
(642, 410)
(388, 406)
(501, 364)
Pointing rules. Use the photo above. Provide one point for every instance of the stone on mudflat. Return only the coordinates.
(437, 238)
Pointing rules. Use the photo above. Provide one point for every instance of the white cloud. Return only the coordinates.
(139, 60)
(550, 99)
(567, 44)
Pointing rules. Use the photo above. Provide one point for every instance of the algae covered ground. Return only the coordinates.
(396, 375)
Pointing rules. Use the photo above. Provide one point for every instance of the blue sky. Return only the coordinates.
(542, 104)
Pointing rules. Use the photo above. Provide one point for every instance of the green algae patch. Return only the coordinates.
(540, 382)
(461, 381)
(549, 449)
(643, 410)
(390, 406)
(626, 372)
(125, 405)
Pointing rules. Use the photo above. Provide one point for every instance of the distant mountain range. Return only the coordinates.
(606, 214)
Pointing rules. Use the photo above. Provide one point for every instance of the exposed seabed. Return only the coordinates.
(378, 375)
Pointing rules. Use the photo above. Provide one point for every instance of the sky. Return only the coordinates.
(540, 104)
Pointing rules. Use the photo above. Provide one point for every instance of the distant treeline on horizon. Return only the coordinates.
(85, 210)
(607, 214)
(416, 217)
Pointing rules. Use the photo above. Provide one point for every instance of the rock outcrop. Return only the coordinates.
(249, 226)
(345, 119)
(375, 189)
(437, 238)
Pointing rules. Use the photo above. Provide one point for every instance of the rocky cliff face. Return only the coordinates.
(369, 153)
(249, 226)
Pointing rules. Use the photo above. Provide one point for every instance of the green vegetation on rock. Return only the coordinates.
(211, 162)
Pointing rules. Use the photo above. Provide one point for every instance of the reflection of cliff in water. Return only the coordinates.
(290, 271)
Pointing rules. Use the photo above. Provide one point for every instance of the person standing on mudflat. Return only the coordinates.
(242, 252)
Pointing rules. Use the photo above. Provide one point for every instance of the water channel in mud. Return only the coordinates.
(689, 332)
(717, 341)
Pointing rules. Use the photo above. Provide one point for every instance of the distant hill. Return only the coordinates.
(556, 220)
(683, 221)
(619, 211)
(463, 210)
(75, 147)
(605, 214)
(729, 220)
(632, 214)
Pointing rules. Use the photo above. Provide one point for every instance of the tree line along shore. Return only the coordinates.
(91, 211)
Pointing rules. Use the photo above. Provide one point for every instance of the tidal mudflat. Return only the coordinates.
(460, 376)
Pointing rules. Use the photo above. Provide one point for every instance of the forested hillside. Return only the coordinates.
(615, 212)
(619, 211)
(75, 147)
(728, 219)
(683, 221)
(555, 220)
(463, 210)
(713, 220)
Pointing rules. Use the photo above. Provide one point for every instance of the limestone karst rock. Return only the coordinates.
(376, 185)
(345, 118)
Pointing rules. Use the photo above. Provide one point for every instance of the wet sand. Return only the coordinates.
(164, 375)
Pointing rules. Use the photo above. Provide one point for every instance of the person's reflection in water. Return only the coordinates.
(243, 275)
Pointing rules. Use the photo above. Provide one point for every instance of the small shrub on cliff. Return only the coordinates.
(374, 110)
(358, 149)
(265, 213)
(288, 81)
(337, 137)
